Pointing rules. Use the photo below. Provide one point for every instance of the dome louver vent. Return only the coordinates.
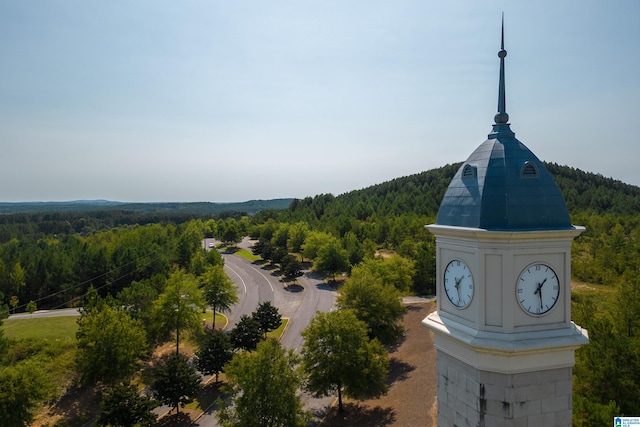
(469, 172)
(529, 170)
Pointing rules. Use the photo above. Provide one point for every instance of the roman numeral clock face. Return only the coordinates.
(458, 283)
(537, 289)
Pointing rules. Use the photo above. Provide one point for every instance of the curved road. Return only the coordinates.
(256, 284)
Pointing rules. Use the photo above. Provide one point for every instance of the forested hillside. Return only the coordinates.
(421, 193)
(53, 259)
(605, 259)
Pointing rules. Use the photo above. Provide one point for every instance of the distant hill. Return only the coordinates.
(420, 194)
(197, 208)
(414, 194)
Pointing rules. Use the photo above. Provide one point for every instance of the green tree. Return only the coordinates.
(189, 242)
(291, 268)
(179, 307)
(110, 344)
(281, 236)
(338, 357)
(378, 305)
(247, 333)
(332, 258)
(354, 247)
(177, 382)
(218, 290)
(268, 317)
(22, 386)
(314, 241)
(264, 388)
(18, 277)
(297, 234)
(125, 406)
(232, 231)
(395, 271)
(607, 370)
(32, 307)
(627, 305)
(215, 351)
(138, 297)
(13, 302)
(263, 248)
(425, 263)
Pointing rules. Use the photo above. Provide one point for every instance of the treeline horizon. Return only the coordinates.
(54, 258)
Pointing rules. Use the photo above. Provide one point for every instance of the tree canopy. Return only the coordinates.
(378, 305)
(110, 344)
(218, 290)
(339, 358)
(125, 406)
(177, 383)
(264, 386)
(215, 351)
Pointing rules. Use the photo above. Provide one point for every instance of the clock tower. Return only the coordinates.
(502, 329)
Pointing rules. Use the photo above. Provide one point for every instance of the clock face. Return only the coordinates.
(458, 283)
(537, 289)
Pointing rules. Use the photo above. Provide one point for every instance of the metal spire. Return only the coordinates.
(502, 116)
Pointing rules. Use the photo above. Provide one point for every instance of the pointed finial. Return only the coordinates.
(502, 116)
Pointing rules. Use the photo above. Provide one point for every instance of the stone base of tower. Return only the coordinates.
(471, 397)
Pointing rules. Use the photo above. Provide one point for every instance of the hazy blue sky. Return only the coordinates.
(235, 100)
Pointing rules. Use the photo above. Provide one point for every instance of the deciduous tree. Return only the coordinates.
(247, 333)
(21, 387)
(291, 267)
(177, 382)
(314, 241)
(215, 351)
(268, 317)
(339, 357)
(264, 388)
(332, 258)
(178, 308)
(218, 290)
(110, 344)
(125, 406)
(379, 306)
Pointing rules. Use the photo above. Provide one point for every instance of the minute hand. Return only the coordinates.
(539, 292)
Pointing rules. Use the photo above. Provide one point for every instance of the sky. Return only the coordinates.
(228, 101)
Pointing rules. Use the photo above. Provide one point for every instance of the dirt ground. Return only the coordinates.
(411, 400)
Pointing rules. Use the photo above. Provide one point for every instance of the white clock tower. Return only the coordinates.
(503, 331)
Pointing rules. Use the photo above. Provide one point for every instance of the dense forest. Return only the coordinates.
(52, 259)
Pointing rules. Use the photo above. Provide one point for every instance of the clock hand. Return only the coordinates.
(539, 292)
(457, 286)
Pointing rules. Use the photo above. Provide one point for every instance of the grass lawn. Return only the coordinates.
(276, 334)
(247, 255)
(47, 328)
(221, 319)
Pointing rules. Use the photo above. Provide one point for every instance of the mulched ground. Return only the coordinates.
(411, 400)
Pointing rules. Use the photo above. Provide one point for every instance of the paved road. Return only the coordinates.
(47, 313)
(257, 284)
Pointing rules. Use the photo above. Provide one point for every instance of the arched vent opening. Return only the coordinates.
(529, 170)
(468, 172)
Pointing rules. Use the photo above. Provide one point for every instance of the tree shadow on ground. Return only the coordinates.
(181, 419)
(358, 415)
(294, 287)
(398, 370)
(209, 395)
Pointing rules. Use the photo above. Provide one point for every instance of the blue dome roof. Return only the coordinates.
(503, 186)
